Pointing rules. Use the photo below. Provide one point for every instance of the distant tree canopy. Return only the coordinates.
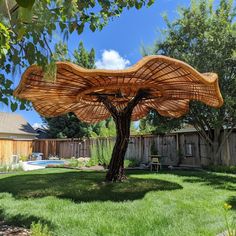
(27, 28)
(204, 36)
(68, 125)
(154, 123)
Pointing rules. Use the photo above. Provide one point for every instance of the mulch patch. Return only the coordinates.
(9, 230)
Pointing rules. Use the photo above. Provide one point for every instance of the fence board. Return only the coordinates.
(171, 147)
(8, 148)
(6, 151)
(139, 148)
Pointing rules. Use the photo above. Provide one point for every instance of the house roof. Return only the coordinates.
(13, 123)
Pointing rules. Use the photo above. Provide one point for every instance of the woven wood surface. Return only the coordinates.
(170, 83)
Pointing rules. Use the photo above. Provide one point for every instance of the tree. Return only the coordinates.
(107, 128)
(84, 58)
(95, 95)
(68, 125)
(27, 27)
(205, 37)
(154, 123)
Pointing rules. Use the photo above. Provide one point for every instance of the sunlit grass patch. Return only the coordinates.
(81, 203)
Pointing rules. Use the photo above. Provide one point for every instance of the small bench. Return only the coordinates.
(155, 163)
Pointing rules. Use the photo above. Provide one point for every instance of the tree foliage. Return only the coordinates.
(157, 124)
(4, 40)
(107, 128)
(204, 36)
(68, 125)
(27, 28)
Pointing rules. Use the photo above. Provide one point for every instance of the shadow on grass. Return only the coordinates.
(232, 201)
(22, 220)
(216, 180)
(81, 186)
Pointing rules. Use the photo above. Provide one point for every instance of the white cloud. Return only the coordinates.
(112, 60)
(38, 125)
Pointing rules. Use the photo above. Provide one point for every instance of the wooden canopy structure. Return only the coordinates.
(156, 82)
(170, 83)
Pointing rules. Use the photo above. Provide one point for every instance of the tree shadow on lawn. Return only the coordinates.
(22, 220)
(81, 186)
(216, 180)
(232, 201)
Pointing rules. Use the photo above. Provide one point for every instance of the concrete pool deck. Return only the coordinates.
(27, 167)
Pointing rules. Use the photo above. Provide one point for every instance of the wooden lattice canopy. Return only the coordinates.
(170, 85)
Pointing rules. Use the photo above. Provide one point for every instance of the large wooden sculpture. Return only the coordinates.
(156, 82)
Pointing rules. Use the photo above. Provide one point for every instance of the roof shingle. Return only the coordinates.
(15, 124)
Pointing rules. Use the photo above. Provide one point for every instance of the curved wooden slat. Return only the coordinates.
(170, 83)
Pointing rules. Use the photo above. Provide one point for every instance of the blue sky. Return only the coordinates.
(119, 43)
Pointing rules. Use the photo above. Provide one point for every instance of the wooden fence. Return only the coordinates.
(65, 148)
(180, 148)
(175, 149)
(9, 148)
(139, 147)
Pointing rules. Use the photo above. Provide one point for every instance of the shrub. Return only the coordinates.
(73, 163)
(223, 169)
(8, 168)
(4, 168)
(23, 158)
(92, 162)
(94, 156)
(131, 163)
(101, 153)
(230, 226)
(76, 163)
(105, 152)
(37, 229)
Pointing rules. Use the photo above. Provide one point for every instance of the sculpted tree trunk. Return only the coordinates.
(116, 166)
(122, 119)
(215, 147)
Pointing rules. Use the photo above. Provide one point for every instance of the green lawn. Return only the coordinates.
(80, 203)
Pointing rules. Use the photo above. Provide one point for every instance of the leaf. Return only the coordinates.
(62, 26)
(4, 40)
(8, 68)
(92, 27)
(138, 5)
(71, 27)
(25, 3)
(4, 100)
(30, 52)
(4, 51)
(22, 106)
(13, 106)
(25, 15)
(80, 28)
(150, 2)
(8, 83)
(21, 33)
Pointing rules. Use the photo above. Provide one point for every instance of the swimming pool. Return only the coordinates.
(46, 162)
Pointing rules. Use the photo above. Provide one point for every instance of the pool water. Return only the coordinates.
(46, 162)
